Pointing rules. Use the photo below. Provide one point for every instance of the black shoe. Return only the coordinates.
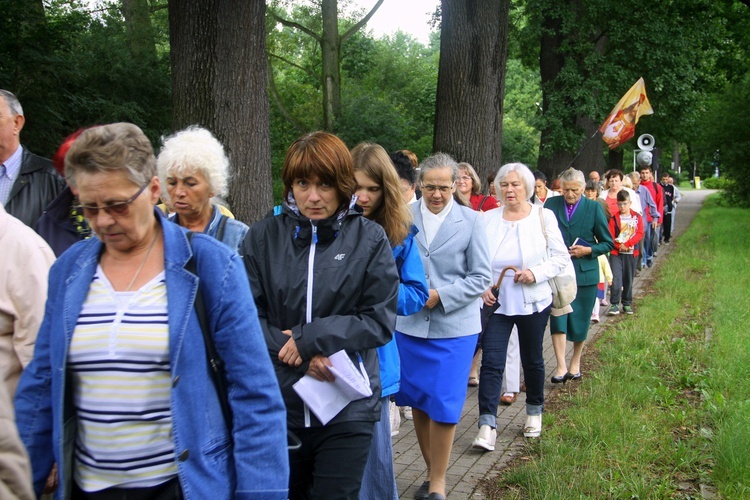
(423, 492)
(558, 380)
(570, 376)
(435, 496)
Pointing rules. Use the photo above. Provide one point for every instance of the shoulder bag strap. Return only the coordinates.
(215, 363)
(222, 228)
(481, 204)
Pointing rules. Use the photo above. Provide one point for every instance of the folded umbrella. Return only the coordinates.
(488, 311)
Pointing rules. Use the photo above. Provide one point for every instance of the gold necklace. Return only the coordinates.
(143, 262)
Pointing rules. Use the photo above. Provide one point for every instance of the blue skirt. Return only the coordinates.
(435, 374)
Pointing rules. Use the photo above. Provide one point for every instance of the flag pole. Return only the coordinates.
(582, 148)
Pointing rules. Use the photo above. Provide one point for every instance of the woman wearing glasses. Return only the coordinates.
(470, 187)
(118, 392)
(436, 345)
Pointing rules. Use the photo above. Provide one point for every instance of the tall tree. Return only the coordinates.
(593, 51)
(137, 15)
(471, 81)
(330, 44)
(219, 81)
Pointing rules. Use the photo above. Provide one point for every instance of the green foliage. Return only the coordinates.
(607, 45)
(716, 183)
(521, 114)
(71, 69)
(727, 136)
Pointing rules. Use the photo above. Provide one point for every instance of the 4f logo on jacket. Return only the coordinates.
(340, 256)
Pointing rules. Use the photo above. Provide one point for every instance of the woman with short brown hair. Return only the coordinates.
(324, 280)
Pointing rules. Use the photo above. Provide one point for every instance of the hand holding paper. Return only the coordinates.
(327, 399)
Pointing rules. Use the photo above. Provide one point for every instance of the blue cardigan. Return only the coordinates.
(412, 295)
(249, 462)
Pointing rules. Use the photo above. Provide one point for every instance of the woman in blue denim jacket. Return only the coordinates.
(118, 393)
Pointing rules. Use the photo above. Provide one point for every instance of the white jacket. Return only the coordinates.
(533, 249)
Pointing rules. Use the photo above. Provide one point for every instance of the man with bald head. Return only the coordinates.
(594, 176)
(27, 182)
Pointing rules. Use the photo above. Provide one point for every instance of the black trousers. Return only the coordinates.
(331, 461)
(169, 490)
(666, 228)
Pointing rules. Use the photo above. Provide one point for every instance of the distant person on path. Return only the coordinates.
(594, 176)
(669, 195)
(436, 345)
(28, 183)
(541, 191)
(193, 168)
(578, 217)
(379, 197)
(614, 183)
(675, 201)
(407, 177)
(516, 237)
(650, 216)
(651, 238)
(469, 185)
(626, 228)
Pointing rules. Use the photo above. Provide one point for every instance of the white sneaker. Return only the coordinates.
(486, 438)
(533, 426)
(406, 413)
(395, 418)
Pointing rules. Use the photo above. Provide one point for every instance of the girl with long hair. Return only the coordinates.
(379, 197)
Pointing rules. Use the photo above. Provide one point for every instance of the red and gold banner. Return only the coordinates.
(619, 126)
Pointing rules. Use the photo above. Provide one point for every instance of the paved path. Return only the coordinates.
(469, 466)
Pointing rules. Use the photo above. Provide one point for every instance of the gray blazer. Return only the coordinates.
(457, 265)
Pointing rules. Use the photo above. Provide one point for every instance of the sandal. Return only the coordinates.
(473, 382)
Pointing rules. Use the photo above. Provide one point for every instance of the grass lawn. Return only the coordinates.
(664, 409)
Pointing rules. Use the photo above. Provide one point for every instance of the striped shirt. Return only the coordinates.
(119, 363)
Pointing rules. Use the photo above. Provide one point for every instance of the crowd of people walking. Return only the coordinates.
(176, 352)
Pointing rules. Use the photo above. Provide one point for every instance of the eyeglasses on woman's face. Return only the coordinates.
(431, 188)
(120, 209)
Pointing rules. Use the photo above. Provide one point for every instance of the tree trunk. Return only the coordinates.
(551, 61)
(676, 156)
(471, 82)
(553, 156)
(137, 15)
(219, 81)
(330, 47)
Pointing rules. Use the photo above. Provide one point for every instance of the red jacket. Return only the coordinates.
(615, 225)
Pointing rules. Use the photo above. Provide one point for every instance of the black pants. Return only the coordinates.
(169, 490)
(331, 461)
(666, 228)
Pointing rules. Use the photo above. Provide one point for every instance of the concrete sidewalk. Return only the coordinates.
(469, 466)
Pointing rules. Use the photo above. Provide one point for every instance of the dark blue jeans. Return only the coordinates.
(494, 349)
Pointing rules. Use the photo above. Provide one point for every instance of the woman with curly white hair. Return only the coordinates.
(193, 168)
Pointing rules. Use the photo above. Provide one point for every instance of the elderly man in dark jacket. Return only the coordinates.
(27, 182)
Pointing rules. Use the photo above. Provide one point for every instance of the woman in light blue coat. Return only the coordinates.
(437, 343)
(119, 392)
(379, 197)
